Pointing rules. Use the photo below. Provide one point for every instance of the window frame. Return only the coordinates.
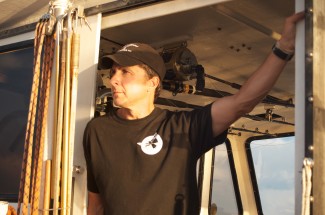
(16, 46)
(252, 168)
(233, 177)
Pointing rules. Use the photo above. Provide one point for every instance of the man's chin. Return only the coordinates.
(116, 105)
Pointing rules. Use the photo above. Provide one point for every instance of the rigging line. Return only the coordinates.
(49, 65)
(213, 93)
(43, 108)
(66, 114)
(36, 142)
(253, 131)
(233, 85)
(111, 41)
(181, 104)
(57, 137)
(257, 118)
(57, 152)
(24, 190)
(267, 121)
(75, 46)
(267, 98)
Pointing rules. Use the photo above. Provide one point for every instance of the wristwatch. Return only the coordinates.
(281, 54)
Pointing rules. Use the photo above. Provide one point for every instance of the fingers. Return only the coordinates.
(297, 17)
(287, 40)
(292, 20)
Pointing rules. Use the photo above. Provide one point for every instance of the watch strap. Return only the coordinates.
(281, 54)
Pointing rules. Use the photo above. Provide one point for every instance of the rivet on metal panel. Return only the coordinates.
(310, 54)
(78, 169)
(309, 10)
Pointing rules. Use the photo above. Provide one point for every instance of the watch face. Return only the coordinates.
(151, 145)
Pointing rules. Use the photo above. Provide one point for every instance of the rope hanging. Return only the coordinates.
(306, 185)
(56, 188)
(34, 139)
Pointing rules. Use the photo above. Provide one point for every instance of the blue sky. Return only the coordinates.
(274, 168)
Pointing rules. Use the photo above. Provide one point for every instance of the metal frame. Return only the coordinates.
(107, 8)
(234, 177)
(89, 51)
(318, 107)
(155, 10)
(205, 181)
(309, 78)
(300, 100)
(14, 46)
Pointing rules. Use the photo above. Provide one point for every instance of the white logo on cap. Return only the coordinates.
(125, 48)
(151, 145)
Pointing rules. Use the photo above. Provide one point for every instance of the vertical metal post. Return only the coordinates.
(318, 101)
(206, 183)
(89, 54)
(299, 108)
(309, 78)
(60, 7)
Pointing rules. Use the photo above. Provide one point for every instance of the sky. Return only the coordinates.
(274, 168)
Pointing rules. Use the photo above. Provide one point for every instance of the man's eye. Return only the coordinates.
(111, 73)
(124, 71)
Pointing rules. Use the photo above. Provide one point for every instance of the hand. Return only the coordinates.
(287, 41)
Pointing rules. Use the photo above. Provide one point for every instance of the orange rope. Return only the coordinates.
(34, 147)
(24, 190)
(41, 122)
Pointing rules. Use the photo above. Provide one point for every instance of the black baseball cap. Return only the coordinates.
(135, 54)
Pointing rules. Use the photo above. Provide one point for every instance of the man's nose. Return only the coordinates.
(114, 79)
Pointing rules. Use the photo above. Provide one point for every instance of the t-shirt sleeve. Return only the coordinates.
(91, 183)
(201, 133)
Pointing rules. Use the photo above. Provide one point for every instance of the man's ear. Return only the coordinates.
(154, 82)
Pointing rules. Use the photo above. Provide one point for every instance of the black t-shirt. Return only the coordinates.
(148, 166)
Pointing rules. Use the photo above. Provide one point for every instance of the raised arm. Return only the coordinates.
(95, 205)
(228, 109)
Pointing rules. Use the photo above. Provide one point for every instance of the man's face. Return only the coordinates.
(129, 86)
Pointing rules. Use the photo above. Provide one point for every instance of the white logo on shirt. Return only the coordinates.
(151, 145)
(126, 48)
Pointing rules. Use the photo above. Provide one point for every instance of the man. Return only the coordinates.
(141, 159)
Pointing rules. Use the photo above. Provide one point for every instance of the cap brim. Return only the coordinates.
(107, 61)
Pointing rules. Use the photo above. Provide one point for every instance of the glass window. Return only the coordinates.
(273, 161)
(16, 70)
(223, 188)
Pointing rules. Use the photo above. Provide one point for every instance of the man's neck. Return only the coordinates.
(132, 113)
